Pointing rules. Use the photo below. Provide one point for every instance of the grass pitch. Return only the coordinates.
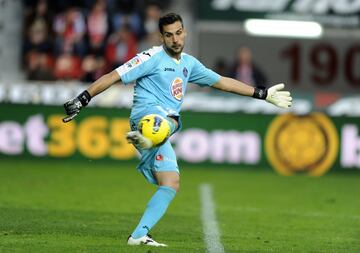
(93, 207)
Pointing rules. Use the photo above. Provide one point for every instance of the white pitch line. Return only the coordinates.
(208, 217)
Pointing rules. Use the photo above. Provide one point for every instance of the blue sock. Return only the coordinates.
(155, 209)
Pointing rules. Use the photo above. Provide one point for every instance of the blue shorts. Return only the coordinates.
(162, 158)
(157, 159)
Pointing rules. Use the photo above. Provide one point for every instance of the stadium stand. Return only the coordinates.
(81, 40)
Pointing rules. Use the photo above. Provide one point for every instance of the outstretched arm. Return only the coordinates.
(73, 106)
(103, 83)
(234, 86)
(273, 95)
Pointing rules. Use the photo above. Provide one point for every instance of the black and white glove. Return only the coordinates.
(73, 106)
(275, 95)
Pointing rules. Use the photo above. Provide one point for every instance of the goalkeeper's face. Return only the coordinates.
(173, 37)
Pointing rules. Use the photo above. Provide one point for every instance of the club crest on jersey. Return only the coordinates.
(177, 88)
(185, 72)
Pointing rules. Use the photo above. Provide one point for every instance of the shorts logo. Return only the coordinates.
(133, 62)
(159, 158)
(177, 88)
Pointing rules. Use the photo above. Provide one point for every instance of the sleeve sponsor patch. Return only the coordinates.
(133, 62)
(127, 66)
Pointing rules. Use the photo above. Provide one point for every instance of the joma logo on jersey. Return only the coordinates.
(169, 69)
(177, 89)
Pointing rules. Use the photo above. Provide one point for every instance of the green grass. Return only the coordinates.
(90, 207)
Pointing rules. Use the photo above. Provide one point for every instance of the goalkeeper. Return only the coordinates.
(161, 75)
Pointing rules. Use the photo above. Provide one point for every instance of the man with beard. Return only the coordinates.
(161, 75)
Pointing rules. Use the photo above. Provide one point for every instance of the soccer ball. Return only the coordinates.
(155, 128)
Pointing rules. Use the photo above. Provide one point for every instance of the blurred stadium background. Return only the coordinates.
(71, 182)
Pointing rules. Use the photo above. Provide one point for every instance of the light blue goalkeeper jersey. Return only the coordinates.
(160, 81)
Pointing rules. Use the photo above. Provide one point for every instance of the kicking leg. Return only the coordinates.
(168, 185)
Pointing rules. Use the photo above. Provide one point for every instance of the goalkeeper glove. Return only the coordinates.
(275, 95)
(73, 106)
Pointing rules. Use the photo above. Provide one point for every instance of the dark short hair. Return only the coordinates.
(169, 19)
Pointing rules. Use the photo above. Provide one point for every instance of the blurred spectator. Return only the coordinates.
(246, 71)
(98, 27)
(67, 67)
(150, 40)
(152, 37)
(92, 68)
(82, 39)
(39, 14)
(37, 39)
(70, 30)
(37, 31)
(131, 19)
(122, 47)
(152, 15)
(39, 66)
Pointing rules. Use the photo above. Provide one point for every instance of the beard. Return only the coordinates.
(174, 49)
